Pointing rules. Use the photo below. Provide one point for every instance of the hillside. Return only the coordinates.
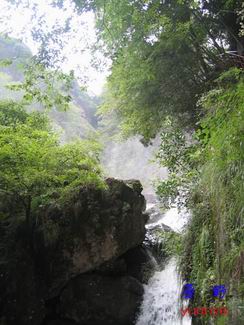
(78, 121)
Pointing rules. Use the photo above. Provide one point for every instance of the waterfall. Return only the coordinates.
(161, 303)
(161, 298)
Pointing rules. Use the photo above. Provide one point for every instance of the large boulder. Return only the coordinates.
(94, 227)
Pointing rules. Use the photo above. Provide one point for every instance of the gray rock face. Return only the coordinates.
(95, 228)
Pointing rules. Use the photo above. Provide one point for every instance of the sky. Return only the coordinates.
(77, 42)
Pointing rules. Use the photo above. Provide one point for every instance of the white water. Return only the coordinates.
(173, 219)
(161, 303)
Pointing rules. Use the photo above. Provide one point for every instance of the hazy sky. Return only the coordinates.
(20, 22)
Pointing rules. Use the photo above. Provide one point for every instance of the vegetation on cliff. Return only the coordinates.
(35, 167)
(214, 241)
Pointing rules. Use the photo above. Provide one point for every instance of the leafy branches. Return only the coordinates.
(161, 65)
(47, 87)
(35, 168)
(182, 156)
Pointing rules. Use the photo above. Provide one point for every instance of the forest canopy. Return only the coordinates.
(165, 54)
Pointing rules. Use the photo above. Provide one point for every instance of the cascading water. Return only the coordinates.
(161, 299)
(131, 159)
(161, 304)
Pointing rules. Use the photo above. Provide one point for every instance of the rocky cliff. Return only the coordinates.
(73, 265)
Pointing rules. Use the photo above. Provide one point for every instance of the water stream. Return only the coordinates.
(161, 304)
(131, 159)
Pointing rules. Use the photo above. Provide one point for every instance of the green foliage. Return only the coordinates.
(214, 247)
(181, 155)
(241, 14)
(47, 87)
(206, 170)
(35, 168)
(31, 79)
(12, 113)
(5, 62)
(72, 110)
(223, 18)
(150, 81)
(77, 165)
(162, 58)
(171, 242)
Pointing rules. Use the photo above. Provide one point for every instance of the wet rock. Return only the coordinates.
(96, 300)
(154, 242)
(140, 263)
(155, 213)
(137, 262)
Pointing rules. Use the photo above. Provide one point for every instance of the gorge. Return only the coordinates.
(127, 207)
